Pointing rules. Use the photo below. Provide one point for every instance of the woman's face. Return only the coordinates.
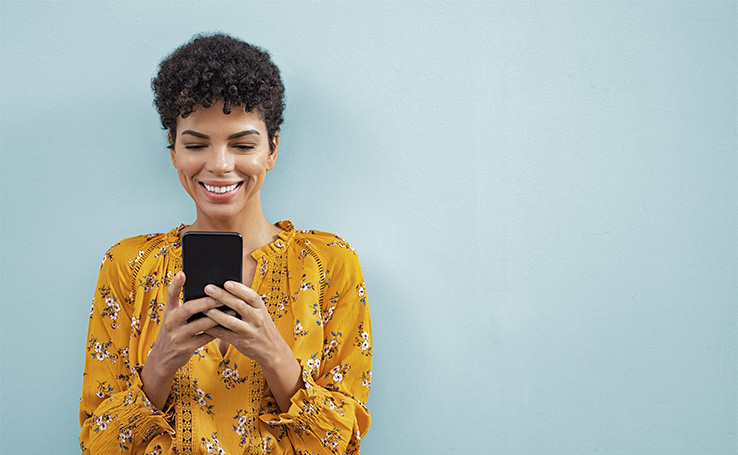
(221, 160)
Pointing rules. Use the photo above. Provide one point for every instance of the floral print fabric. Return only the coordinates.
(313, 287)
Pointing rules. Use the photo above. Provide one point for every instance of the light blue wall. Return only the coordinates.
(543, 196)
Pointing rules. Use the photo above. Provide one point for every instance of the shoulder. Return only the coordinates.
(326, 244)
(340, 263)
(127, 253)
(334, 252)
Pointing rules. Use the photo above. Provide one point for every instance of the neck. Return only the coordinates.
(253, 227)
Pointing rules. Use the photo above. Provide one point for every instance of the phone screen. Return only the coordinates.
(210, 258)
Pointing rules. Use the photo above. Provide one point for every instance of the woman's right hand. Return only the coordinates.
(176, 342)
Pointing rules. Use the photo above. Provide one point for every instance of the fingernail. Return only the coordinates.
(209, 289)
(229, 285)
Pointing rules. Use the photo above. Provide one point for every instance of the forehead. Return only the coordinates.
(214, 120)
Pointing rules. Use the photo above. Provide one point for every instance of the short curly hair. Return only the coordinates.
(215, 67)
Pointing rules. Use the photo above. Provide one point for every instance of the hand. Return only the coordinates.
(176, 342)
(256, 336)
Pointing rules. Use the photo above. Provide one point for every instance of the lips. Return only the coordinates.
(220, 188)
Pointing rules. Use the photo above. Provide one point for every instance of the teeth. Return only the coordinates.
(220, 189)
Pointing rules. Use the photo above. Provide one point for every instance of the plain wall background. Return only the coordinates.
(542, 194)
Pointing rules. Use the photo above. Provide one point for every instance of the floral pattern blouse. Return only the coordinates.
(314, 289)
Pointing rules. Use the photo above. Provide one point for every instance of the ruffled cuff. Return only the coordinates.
(126, 420)
(315, 413)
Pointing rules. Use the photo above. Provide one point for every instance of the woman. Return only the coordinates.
(292, 374)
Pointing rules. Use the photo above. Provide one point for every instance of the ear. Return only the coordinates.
(272, 159)
(171, 149)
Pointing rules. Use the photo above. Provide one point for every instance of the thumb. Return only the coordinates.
(175, 288)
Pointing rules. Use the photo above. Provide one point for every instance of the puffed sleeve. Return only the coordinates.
(115, 415)
(329, 415)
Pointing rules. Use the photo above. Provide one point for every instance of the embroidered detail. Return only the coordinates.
(228, 375)
(362, 341)
(184, 415)
(212, 445)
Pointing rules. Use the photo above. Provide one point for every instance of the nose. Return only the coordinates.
(220, 160)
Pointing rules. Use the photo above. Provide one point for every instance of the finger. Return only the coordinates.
(198, 341)
(195, 306)
(174, 289)
(225, 334)
(220, 332)
(228, 299)
(245, 293)
(201, 325)
(230, 323)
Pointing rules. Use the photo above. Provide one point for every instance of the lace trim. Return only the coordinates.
(184, 414)
(321, 268)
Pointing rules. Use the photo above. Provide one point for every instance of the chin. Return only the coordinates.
(222, 216)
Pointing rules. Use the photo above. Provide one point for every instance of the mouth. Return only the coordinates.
(215, 189)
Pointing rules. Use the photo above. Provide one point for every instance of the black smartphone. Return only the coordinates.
(210, 258)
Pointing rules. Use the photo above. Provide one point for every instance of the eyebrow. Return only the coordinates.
(232, 136)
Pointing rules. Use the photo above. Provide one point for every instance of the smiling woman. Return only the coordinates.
(287, 367)
(222, 160)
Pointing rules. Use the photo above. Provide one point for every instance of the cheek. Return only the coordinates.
(185, 179)
(187, 166)
(255, 166)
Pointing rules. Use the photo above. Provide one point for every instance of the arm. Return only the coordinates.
(122, 397)
(328, 414)
(175, 343)
(113, 408)
(321, 392)
(257, 337)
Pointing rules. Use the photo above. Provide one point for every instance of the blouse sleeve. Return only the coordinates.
(115, 415)
(329, 415)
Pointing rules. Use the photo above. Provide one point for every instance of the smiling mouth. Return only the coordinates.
(220, 189)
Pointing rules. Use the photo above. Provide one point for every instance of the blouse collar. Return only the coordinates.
(280, 244)
(283, 240)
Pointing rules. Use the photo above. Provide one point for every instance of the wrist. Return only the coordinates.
(283, 374)
(156, 383)
(280, 358)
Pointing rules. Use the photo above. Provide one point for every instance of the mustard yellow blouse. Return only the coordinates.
(314, 289)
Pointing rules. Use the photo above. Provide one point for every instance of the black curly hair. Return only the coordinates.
(215, 67)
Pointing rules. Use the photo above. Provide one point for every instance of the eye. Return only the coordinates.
(243, 147)
(194, 146)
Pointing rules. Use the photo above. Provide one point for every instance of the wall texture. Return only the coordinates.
(543, 196)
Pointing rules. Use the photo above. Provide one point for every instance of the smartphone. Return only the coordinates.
(210, 258)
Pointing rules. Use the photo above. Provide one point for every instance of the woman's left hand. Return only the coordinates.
(256, 336)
